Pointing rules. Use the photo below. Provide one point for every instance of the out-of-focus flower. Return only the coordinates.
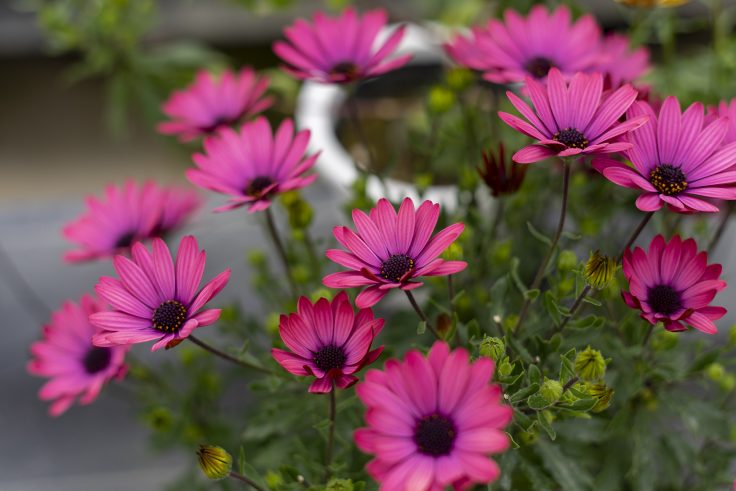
(501, 176)
(590, 365)
(725, 109)
(521, 47)
(340, 49)
(600, 270)
(572, 119)
(431, 422)
(215, 462)
(128, 214)
(619, 63)
(673, 284)
(211, 103)
(677, 159)
(155, 298)
(653, 3)
(329, 341)
(254, 165)
(76, 368)
(391, 251)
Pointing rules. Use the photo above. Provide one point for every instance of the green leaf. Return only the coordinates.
(421, 327)
(514, 445)
(539, 235)
(532, 294)
(581, 404)
(567, 366)
(514, 272)
(568, 474)
(546, 426)
(241, 460)
(572, 235)
(550, 304)
(592, 301)
(537, 402)
(537, 478)
(535, 376)
(524, 393)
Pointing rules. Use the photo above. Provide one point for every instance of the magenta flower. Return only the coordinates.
(432, 421)
(128, 214)
(619, 63)
(155, 298)
(677, 159)
(510, 51)
(571, 120)
(76, 368)
(390, 250)
(328, 341)
(210, 104)
(725, 110)
(673, 284)
(340, 49)
(255, 165)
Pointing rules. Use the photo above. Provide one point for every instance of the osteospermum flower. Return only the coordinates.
(128, 214)
(501, 176)
(677, 159)
(431, 422)
(254, 165)
(328, 341)
(340, 49)
(392, 251)
(571, 119)
(76, 368)
(673, 284)
(154, 298)
(619, 63)
(521, 47)
(725, 110)
(212, 103)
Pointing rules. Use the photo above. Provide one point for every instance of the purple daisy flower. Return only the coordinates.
(677, 159)
(155, 298)
(254, 165)
(574, 119)
(340, 49)
(392, 251)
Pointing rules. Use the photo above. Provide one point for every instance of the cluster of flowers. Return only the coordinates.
(431, 420)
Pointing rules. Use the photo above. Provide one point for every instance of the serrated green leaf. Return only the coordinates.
(546, 426)
(536, 402)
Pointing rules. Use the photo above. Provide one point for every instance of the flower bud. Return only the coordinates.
(603, 394)
(214, 461)
(567, 260)
(441, 99)
(493, 348)
(727, 382)
(653, 3)
(599, 270)
(459, 78)
(732, 336)
(715, 371)
(505, 368)
(256, 257)
(590, 365)
(500, 174)
(551, 391)
(664, 340)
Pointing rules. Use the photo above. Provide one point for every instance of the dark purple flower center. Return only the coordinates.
(125, 240)
(668, 179)
(434, 435)
(257, 185)
(169, 316)
(572, 138)
(217, 123)
(347, 69)
(539, 67)
(329, 357)
(96, 359)
(664, 299)
(395, 267)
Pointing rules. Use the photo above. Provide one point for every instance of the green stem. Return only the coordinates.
(274, 233)
(725, 216)
(421, 313)
(246, 480)
(330, 433)
(647, 336)
(227, 357)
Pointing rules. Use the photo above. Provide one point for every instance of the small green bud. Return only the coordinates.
(272, 323)
(566, 261)
(527, 437)
(339, 485)
(501, 253)
(214, 461)
(510, 321)
(715, 371)
(664, 340)
(300, 273)
(551, 391)
(493, 348)
(727, 382)
(505, 368)
(160, 419)
(459, 78)
(256, 257)
(603, 394)
(441, 99)
(423, 180)
(600, 269)
(732, 336)
(274, 480)
(590, 365)
(453, 253)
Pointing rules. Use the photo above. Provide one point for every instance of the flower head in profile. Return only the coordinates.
(518, 47)
(392, 250)
(340, 49)
(653, 3)
(328, 341)
(725, 110)
(500, 175)
(211, 103)
(432, 421)
(76, 368)
(619, 62)
(673, 283)
(155, 298)
(677, 159)
(254, 165)
(572, 119)
(128, 214)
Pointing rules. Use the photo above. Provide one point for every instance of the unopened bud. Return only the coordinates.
(493, 348)
(441, 99)
(727, 382)
(567, 260)
(214, 461)
(599, 270)
(551, 391)
(715, 371)
(590, 365)
(603, 395)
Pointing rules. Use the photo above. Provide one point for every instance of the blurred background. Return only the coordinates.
(80, 87)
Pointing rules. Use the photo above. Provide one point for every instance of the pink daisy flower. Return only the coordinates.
(574, 119)
(391, 251)
(677, 159)
(76, 368)
(619, 63)
(155, 298)
(725, 110)
(328, 341)
(254, 165)
(340, 49)
(519, 47)
(210, 103)
(128, 214)
(673, 284)
(432, 421)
